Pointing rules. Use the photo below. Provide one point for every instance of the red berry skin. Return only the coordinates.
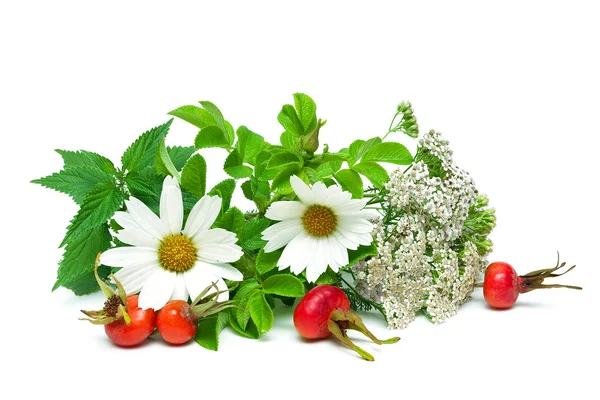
(313, 311)
(500, 285)
(141, 326)
(176, 323)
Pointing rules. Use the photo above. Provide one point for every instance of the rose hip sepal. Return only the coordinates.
(177, 321)
(325, 311)
(502, 285)
(124, 322)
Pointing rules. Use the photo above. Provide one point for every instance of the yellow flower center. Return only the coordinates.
(177, 253)
(319, 221)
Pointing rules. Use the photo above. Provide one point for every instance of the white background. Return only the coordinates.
(513, 86)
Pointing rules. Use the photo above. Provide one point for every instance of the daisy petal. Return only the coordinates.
(338, 251)
(196, 280)
(203, 215)
(281, 234)
(157, 289)
(280, 210)
(354, 237)
(348, 244)
(318, 265)
(357, 225)
(220, 270)
(125, 221)
(171, 205)
(217, 236)
(295, 255)
(135, 276)
(302, 190)
(180, 292)
(221, 252)
(137, 237)
(125, 256)
(145, 218)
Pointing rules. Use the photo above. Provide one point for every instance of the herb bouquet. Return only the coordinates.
(413, 240)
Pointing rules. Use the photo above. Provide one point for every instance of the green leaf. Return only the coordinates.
(209, 329)
(290, 121)
(211, 136)
(373, 171)
(283, 159)
(234, 165)
(354, 151)
(179, 155)
(265, 262)
(215, 113)
(80, 255)
(328, 169)
(143, 151)
(230, 133)
(98, 207)
(281, 183)
(164, 164)
(327, 278)
(144, 182)
(247, 189)
(249, 144)
(231, 220)
(288, 141)
(390, 152)
(284, 285)
(242, 296)
(250, 332)
(225, 190)
(351, 182)
(306, 111)
(193, 176)
(87, 283)
(260, 167)
(76, 181)
(261, 312)
(355, 256)
(84, 158)
(250, 236)
(195, 116)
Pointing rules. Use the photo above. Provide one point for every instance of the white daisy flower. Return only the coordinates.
(318, 230)
(166, 262)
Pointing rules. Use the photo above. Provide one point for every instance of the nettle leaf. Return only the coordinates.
(180, 154)
(98, 207)
(195, 116)
(250, 236)
(84, 158)
(351, 182)
(231, 220)
(266, 262)
(193, 176)
(288, 118)
(284, 285)
(225, 190)
(234, 165)
(76, 181)
(211, 136)
(209, 329)
(80, 255)
(87, 284)
(391, 152)
(249, 144)
(260, 312)
(373, 172)
(143, 151)
(307, 111)
(242, 296)
(144, 183)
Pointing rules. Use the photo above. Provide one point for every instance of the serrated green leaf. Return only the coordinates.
(283, 285)
(230, 132)
(144, 182)
(84, 158)
(261, 312)
(247, 190)
(242, 296)
(327, 278)
(143, 151)
(234, 165)
(266, 262)
(307, 111)
(373, 172)
(211, 136)
(354, 151)
(164, 164)
(79, 258)
(283, 159)
(249, 144)
(215, 112)
(288, 141)
(179, 155)
(209, 329)
(231, 220)
(260, 167)
(251, 332)
(351, 182)
(193, 176)
(76, 181)
(97, 208)
(288, 118)
(328, 170)
(225, 190)
(391, 152)
(250, 236)
(281, 183)
(194, 115)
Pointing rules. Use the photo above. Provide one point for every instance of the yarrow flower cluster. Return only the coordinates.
(431, 238)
